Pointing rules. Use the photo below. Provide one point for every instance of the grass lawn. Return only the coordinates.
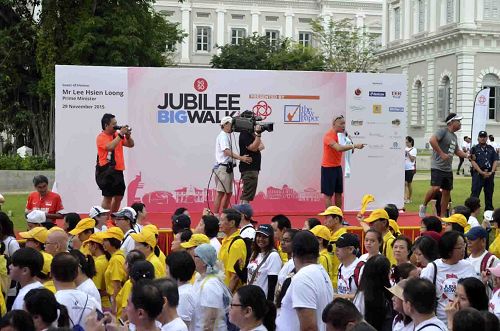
(15, 203)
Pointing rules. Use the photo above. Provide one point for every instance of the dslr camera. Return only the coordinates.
(247, 121)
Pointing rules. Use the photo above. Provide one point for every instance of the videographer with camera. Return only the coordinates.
(110, 161)
(250, 144)
(223, 170)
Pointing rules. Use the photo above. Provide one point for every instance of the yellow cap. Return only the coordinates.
(47, 261)
(146, 237)
(84, 224)
(55, 228)
(394, 226)
(152, 227)
(321, 231)
(39, 233)
(376, 215)
(97, 237)
(196, 240)
(332, 210)
(113, 232)
(459, 219)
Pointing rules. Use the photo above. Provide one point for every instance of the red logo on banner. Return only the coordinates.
(357, 92)
(200, 84)
(482, 100)
(262, 109)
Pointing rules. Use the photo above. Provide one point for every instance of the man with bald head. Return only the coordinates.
(57, 242)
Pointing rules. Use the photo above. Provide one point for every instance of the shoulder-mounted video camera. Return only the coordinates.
(247, 121)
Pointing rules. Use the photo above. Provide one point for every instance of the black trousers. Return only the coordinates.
(488, 184)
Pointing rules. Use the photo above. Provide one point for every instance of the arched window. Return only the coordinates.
(492, 81)
(444, 98)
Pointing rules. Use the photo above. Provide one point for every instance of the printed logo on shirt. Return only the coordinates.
(449, 287)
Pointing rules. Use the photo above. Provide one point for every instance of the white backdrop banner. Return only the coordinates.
(175, 113)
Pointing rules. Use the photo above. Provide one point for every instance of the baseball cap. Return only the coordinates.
(495, 271)
(146, 237)
(265, 229)
(459, 219)
(225, 120)
(476, 233)
(84, 224)
(432, 234)
(36, 217)
(332, 210)
(376, 215)
(113, 232)
(346, 240)
(47, 262)
(96, 211)
(488, 215)
(196, 240)
(321, 231)
(97, 237)
(453, 117)
(244, 209)
(39, 233)
(55, 228)
(125, 213)
(482, 134)
(180, 222)
(151, 227)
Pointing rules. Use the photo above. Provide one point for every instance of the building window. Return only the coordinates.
(306, 20)
(492, 10)
(421, 15)
(237, 16)
(450, 11)
(305, 38)
(237, 35)
(397, 23)
(492, 81)
(273, 36)
(272, 18)
(444, 98)
(203, 38)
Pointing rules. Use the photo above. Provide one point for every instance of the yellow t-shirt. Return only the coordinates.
(122, 297)
(160, 271)
(229, 257)
(387, 248)
(335, 260)
(283, 255)
(326, 260)
(163, 260)
(49, 285)
(101, 264)
(115, 271)
(495, 246)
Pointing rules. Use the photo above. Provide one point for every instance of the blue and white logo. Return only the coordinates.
(396, 109)
(376, 94)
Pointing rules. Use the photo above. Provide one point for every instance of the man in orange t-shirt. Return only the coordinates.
(331, 165)
(110, 144)
(43, 199)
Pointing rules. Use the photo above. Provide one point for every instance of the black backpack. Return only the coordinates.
(241, 271)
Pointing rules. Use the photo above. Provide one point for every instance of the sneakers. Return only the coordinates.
(421, 211)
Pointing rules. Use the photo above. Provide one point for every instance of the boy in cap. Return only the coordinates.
(350, 268)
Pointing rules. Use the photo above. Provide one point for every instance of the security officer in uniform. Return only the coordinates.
(484, 162)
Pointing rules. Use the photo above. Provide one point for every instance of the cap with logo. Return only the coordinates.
(96, 211)
(346, 240)
(113, 233)
(196, 240)
(332, 210)
(265, 229)
(376, 215)
(482, 134)
(36, 217)
(459, 219)
(146, 237)
(84, 224)
(39, 233)
(321, 231)
(476, 232)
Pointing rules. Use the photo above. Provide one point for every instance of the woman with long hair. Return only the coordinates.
(265, 262)
(251, 311)
(373, 244)
(43, 307)
(115, 274)
(86, 271)
(471, 293)
(372, 299)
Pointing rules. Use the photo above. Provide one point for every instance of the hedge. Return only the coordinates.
(9, 162)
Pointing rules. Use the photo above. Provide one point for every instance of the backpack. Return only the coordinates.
(484, 262)
(78, 326)
(242, 272)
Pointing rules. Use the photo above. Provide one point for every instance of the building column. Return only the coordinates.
(384, 23)
(431, 9)
(409, 119)
(465, 91)
(467, 14)
(221, 12)
(407, 19)
(255, 21)
(430, 105)
(289, 24)
(186, 27)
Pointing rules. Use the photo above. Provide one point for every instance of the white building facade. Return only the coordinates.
(209, 23)
(449, 50)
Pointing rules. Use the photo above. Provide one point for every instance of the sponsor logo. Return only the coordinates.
(396, 122)
(357, 123)
(355, 108)
(299, 114)
(377, 109)
(200, 84)
(396, 145)
(482, 100)
(356, 133)
(262, 109)
(396, 94)
(357, 92)
(396, 109)
(377, 83)
(378, 94)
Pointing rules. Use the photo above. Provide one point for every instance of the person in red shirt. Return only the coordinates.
(111, 164)
(331, 166)
(43, 199)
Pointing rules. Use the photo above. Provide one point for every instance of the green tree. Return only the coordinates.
(345, 48)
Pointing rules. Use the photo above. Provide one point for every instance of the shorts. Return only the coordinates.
(250, 179)
(443, 179)
(332, 180)
(223, 180)
(409, 175)
(115, 185)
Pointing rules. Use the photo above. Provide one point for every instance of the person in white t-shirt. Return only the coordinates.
(446, 272)
(64, 270)
(474, 204)
(42, 305)
(25, 265)
(251, 311)
(479, 257)
(265, 262)
(223, 169)
(310, 290)
(410, 167)
(419, 299)
(181, 267)
(350, 266)
(86, 271)
(145, 305)
(168, 317)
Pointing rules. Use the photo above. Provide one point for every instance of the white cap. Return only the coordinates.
(96, 211)
(488, 215)
(225, 120)
(132, 210)
(454, 118)
(36, 216)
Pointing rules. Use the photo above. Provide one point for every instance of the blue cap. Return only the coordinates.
(476, 233)
(245, 209)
